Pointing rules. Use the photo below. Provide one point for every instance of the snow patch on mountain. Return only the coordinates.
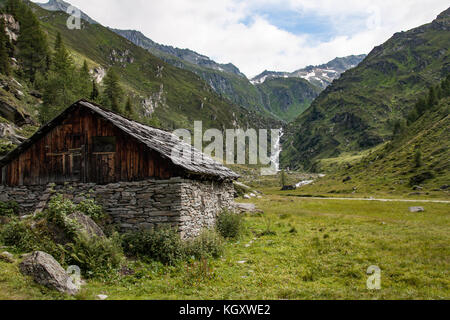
(321, 76)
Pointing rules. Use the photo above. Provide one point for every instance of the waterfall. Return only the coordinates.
(275, 158)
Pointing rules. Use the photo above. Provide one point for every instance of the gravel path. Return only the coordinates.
(372, 199)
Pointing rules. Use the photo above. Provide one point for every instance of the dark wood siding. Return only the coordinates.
(67, 154)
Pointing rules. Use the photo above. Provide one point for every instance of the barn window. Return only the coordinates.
(104, 144)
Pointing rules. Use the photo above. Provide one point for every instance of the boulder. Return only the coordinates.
(246, 207)
(87, 225)
(45, 270)
(416, 209)
(6, 257)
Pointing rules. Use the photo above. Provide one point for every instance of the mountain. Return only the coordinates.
(174, 96)
(280, 99)
(356, 112)
(321, 76)
(416, 158)
(287, 98)
(186, 55)
(59, 5)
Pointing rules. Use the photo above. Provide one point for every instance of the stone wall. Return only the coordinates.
(188, 205)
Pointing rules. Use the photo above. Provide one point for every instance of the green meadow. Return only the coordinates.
(297, 249)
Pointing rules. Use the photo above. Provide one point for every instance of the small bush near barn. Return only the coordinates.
(9, 209)
(160, 244)
(229, 225)
(95, 256)
(209, 244)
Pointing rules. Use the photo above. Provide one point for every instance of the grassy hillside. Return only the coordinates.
(414, 164)
(354, 113)
(287, 98)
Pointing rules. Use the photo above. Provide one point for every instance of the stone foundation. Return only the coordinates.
(189, 205)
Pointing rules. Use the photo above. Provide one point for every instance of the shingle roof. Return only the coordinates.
(191, 160)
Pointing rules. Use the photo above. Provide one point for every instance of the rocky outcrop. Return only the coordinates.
(98, 74)
(59, 5)
(8, 132)
(86, 224)
(12, 27)
(45, 270)
(12, 113)
(154, 101)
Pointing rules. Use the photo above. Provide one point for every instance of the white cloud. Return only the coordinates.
(215, 28)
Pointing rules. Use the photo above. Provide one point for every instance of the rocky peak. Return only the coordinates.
(321, 76)
(185, 55)
(59, 5)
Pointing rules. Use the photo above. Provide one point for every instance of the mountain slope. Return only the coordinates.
(394, 167)
(357, 110)
(59, 5)
(186, 55)
(287, 98)
(177, 97)
(281, 99)
(321, 76)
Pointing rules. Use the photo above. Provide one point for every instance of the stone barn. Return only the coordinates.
(127, 167)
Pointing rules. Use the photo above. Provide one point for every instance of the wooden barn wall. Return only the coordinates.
(66, 154)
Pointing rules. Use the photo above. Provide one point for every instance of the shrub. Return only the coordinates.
(60, 207)
(19, 235)
(161, 244)
(91, 209)
(9, 209)
(95, 256)
(27, 238)
(420, 178)
(208, 245)
(418, 159)
(229, 225)
(197, 272)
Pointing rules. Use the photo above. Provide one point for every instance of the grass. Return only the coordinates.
(298, 249)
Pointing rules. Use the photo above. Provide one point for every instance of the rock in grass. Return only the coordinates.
(86, 224)
(45, 270)
(416, 209)
(6, 257)
(102, 297)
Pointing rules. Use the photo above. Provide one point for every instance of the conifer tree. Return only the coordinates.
(113, 93)
(432, 98)
(418, 159)
(61, 87)
(84, 81)
(129, 109)
(94, 92)
(31, 44)
(5, 67)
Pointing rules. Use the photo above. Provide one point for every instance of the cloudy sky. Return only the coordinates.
(255, 35)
